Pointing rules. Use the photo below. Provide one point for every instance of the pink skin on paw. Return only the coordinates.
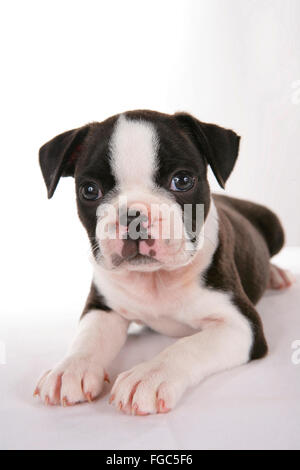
(66, 403)
(133, 392)
(48, 402)
(161, 406)
(128, 408)
(67, 388)
(106, 378)
(111, 399)
(137, 411)
(153, 393)
(40, 383)
(134, 409)
(279, 278)
(121, 407)
(57, 389)
(89, 397)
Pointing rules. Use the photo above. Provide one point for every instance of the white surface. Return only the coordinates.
(233, 62)
(254, 406)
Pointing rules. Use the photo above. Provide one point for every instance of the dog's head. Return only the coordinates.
(141, 184)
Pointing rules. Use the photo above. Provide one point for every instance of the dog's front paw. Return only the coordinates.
(149, 388)
(74, 380)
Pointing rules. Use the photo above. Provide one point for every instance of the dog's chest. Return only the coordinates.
(167, 305)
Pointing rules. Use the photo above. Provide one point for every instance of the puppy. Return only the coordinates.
(200, 282)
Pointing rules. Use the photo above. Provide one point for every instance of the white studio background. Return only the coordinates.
(67, 62)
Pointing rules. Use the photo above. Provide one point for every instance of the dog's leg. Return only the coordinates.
(155, 386)
(280, 278)
(80, 376)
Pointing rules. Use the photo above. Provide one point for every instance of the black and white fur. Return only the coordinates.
(204, 295)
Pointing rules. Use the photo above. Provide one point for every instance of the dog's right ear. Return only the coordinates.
(219, 146)
(58, 156)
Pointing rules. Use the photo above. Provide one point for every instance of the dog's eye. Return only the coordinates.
(90, 191)
(182, 182)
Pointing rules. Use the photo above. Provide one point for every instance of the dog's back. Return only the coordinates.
(267, 223)
(256, 235)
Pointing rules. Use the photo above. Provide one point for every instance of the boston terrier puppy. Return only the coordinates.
(196, 276)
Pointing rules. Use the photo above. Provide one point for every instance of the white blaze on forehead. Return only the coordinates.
(133, 152)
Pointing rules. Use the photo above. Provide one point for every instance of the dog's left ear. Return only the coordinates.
(58, 156)
(219, 146)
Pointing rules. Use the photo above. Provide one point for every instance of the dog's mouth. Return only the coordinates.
(141, 259)
(136, 261)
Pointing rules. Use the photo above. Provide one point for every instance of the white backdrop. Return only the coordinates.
(65, 63)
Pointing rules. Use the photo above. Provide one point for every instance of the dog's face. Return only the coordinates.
(141, 184)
